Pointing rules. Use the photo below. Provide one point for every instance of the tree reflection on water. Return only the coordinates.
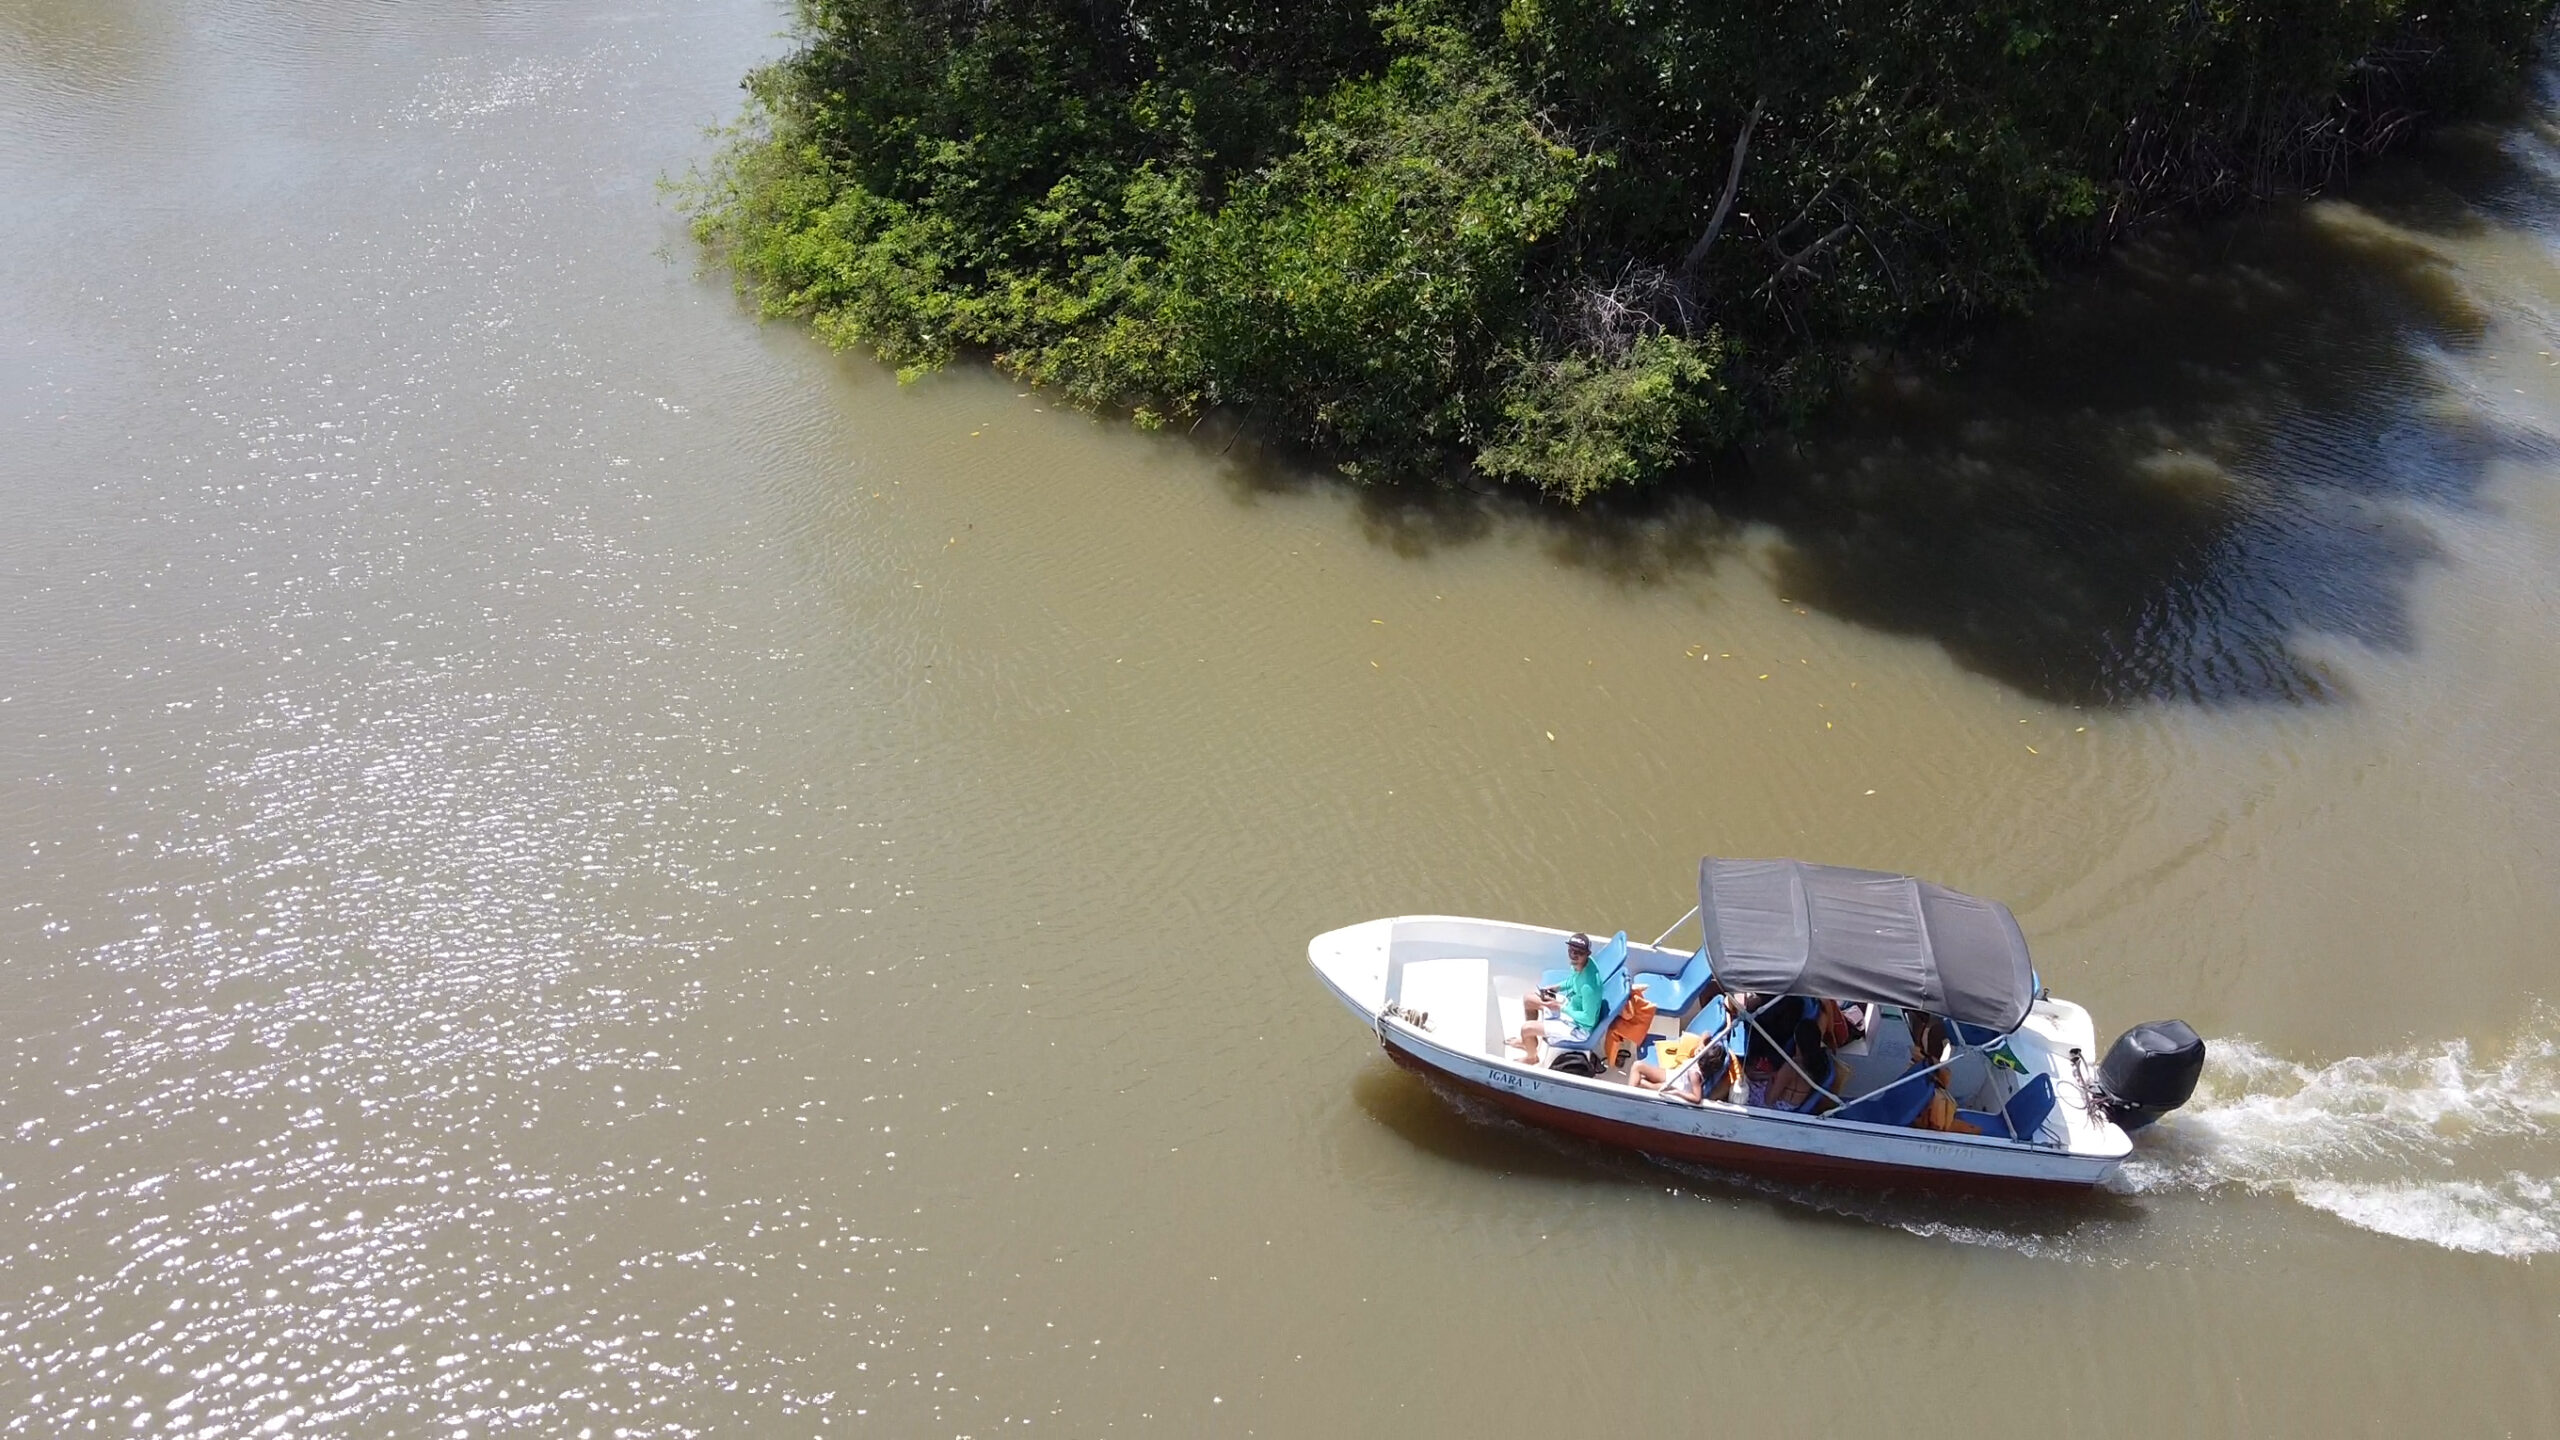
(2207, 451)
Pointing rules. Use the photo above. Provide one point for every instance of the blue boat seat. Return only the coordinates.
(1898, 1106)
(1707, 1021)
(1673, 994)
(2022, 1117)
(1710, 1020)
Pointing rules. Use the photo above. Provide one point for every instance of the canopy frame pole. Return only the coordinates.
(1955, 1043)
(1754, 1017)
(1751, 1018)
(1903, 1079)
(1676, 924)
(1734, 1015)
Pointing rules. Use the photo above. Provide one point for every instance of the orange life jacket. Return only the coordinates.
(1940, 1113)
(1627, 1032)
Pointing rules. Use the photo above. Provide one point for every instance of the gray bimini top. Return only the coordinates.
(1787, 927)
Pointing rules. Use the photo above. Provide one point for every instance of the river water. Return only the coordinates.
(573, 864)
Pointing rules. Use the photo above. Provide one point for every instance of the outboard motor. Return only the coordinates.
(2150, 1071)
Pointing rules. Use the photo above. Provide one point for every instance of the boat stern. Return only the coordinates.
(1352, 962)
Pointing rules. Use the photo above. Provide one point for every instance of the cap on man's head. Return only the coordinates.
(1578, 943)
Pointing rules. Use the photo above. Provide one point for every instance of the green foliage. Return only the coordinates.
(1361, 286)
(1583, 424)
(1475, 231)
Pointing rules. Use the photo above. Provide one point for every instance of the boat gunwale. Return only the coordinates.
(1996, 1145)
(1926, 1156)
(1750, 1158)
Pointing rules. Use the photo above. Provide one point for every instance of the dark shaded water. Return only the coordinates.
(2180, 468)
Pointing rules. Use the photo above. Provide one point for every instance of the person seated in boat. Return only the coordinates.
(1769, 1081)
(1564, 1012)
(1679, 1068)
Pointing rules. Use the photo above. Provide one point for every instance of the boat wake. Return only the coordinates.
(2435, 1143)
(2441, 1144)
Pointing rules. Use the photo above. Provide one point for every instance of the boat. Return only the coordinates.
(1948, 997)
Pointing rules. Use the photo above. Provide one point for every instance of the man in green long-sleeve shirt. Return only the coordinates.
(1566, 1012)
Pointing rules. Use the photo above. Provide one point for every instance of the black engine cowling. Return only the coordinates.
(2150, 1071)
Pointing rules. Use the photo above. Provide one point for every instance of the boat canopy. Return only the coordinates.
(1787, 927)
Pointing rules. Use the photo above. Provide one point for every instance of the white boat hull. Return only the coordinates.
(1366, 966)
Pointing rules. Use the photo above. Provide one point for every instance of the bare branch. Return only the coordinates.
(1796, 263)
(1844, 170)
(1891, 275)
(1697, 255)
(1608, 319)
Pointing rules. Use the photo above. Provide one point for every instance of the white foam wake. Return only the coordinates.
(2431, 1144)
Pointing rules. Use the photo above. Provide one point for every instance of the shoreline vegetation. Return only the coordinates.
(1572, 247)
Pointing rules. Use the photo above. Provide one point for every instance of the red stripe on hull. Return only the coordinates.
(1752, 1159)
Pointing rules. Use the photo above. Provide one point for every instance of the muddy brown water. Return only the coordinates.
(572, 864)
